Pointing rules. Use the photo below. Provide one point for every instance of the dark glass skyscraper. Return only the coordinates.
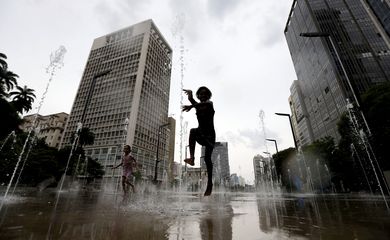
(361, 44)
(381, 9)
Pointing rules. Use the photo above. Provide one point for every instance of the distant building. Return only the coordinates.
(259, 167)
(241, 181)
(299, 116)
(51, 127)
(220, 159)
(171, 149)
(194, 177)
(176, 171)
(123, 98)
(234, 180)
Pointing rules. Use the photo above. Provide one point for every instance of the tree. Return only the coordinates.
(41, 164)
(283, 164)
(329, 165)
(3, 63)
(10, 119)
(93, 169)
(9, 112)
(376, 105)
(7, 78)
(353, 166)
(86, 137)
(22, 99)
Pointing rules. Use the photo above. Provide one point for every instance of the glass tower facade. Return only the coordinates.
(123, 98)
(358, 41)
(381, 10)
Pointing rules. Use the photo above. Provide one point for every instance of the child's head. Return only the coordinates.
(203, 94)
(126, 149)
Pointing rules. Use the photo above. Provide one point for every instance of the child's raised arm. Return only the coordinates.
(190, 96)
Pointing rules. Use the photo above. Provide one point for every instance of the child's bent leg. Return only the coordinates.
(192, 142)
(209, 166)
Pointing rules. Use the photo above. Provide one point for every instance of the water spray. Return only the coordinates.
(56, 62)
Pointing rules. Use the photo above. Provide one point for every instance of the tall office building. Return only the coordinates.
(356, 43)
(299, 116)
(171, 149)
(381, 10)
(220, 159)
(123, 98)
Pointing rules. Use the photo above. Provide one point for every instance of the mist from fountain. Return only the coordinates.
(32, 142)
(363, 141)
(177, 32)
(56, 62)
(271, 188)
(13, 135)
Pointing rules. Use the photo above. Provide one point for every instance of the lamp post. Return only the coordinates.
(276, 145)
(292, 129)
(157, 151)
(357, 102)
(90, 92)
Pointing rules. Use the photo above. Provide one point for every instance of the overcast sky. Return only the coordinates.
(235, 47)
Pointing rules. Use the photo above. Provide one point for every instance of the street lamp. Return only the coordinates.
(157, 151)
(327, 35)
(276, 145)
(292, 129)
(90, 92)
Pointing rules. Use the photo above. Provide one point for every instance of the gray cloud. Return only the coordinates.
(118, 13)
(271, 33)
(251, 138)
(190, 14)
(219, 8)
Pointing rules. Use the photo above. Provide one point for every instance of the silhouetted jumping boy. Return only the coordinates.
(128, 164)
(205, 133)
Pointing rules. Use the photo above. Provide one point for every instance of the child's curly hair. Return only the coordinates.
(127, 146)
(208, 92)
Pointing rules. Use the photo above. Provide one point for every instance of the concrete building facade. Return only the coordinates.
(299, 116)
(51, 127)
(123, 98)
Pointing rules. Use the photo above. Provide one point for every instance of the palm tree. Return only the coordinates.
(22, 98)
(7, 78)
(86, 137)
(3, 63)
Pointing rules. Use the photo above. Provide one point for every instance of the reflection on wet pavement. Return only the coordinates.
(172, 215)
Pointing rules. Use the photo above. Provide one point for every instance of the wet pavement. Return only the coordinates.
(172, 215)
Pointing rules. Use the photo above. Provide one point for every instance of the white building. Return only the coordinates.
(123, 98)
(51, 127)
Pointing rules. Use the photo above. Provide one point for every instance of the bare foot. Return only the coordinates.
(189, 161)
